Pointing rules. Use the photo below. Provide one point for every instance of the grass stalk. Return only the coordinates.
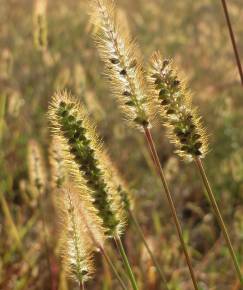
(155, 262)
(233, 41)
(10, 221)
(220, 220)
(2, 112)
(81, 286)
(154, 156)
(126, 262)
(112, 266)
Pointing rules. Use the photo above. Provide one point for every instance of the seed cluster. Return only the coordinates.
(87, 153)
(174, 102)
(123, 65)
(36, 167)
(77, 249)
(40, 25)
(58, 174)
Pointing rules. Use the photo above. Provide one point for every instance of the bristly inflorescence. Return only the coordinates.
(36, 167)
(70, 122)
(58, 173)
(122, 62)
(40, 24)
(77, 248)
(125, 194)
(173, 100)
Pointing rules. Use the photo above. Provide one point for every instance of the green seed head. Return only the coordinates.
(173, 102)
(70, 122)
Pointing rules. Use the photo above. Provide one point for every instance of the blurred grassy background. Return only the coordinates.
(192, 32)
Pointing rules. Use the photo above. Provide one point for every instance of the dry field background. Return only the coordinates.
(195, 34)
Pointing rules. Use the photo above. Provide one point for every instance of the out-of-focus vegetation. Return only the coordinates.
(194, 33)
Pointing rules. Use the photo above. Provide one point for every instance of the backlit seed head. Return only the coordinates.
(122, 62)
(76, 245)
(40, 24)
(172, 100)
(36, 166)
(58, 174)
(120, 187)
(70, 122)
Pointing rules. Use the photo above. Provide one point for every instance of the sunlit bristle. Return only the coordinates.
(58, 174)
(122, 62)
(120, 187)
(36, 167)
(70, 122)
(77, 247)
(172, 100)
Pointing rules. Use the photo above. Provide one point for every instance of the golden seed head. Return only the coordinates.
(58, 174)
(120, 187)
(172, 100)
(40, 24)
(36, 167)
(77, 248)
(122, 63)
(86, 163)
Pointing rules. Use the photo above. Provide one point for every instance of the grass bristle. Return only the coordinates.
(122, 62)
(171, 98)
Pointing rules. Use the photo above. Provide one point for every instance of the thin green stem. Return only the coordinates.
(110, 263)
(103, 252)
(156, 263)
(219, 217)
(155, 158)
(126, 262)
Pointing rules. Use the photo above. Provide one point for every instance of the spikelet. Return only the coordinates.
(172, 100)
(58, 174)
(84, 151)
(122, 62)
(126, 197)
(77, 248)
(40, 24)
(36, 167)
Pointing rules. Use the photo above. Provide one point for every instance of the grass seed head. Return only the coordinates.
(172, 100)
(70, 122)
(77, 248)
(122, 62)
(40, 25)
(58, 173)
(37, 173)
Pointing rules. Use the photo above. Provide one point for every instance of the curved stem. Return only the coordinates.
(108, 260)
(219, 216)
(232, 37)
(156, 263)
(155, 157)
(126, 262)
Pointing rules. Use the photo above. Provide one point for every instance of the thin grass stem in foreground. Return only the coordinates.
(232, 37)
(126, 262)
(213, 202)
(154, 156)
(110, 263)
(155, 262)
